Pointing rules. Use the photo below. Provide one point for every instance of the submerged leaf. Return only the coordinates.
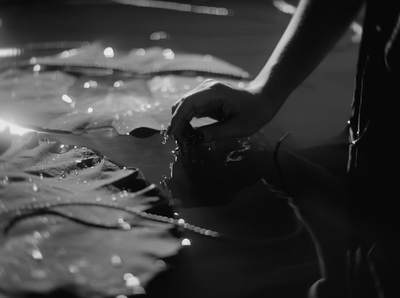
(82, 245)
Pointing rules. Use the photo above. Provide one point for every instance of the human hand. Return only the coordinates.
(240, 112)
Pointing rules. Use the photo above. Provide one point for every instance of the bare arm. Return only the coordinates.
(314, 29)
(312, 32)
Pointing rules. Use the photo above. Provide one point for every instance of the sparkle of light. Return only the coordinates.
(66, 98)
(186, 242)
(168, 54)
(108, 52)
(14, 129)
(90, 84)
(37, 67)
(9, 52)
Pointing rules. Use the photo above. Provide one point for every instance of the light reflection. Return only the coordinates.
(158, 35)
(9, 52)
(210, 10)
(66, 98)
(288, 8)
(90, 84)
(284, 6)
(36, 254)
(141, 52)
(90, 110)
(108, 52)
(14, 129)
(186, 242)
(168, 54)
(37, 68)
(70, 53)
(118, 84)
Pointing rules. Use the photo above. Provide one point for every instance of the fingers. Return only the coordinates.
(199, 102)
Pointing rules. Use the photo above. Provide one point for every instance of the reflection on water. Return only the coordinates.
(184, 7)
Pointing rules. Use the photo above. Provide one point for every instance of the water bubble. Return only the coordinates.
(35, 188)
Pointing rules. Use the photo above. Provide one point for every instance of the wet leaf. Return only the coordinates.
(48, 251)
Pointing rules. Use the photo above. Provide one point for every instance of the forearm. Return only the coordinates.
(313, 31)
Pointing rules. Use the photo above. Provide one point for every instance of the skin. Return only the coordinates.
(315, 28)
(313, 31)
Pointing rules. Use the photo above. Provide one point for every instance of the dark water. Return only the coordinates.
(226, 186)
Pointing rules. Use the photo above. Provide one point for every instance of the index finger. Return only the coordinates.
(191, 105)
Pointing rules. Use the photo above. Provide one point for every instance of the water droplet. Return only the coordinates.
(186, 242)
(90, 84)
(116, 260)
(108, 52)
(36, 254)
(63, 175)
(73, 269)
(66, 98)
(36, 68)
(131, 280)
(123, 224)
(141, 52)
(118, 83)
(168, 54)
(158, 35)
